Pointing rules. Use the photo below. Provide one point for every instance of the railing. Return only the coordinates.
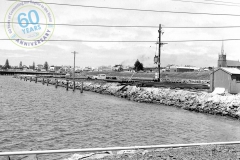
(114, 148)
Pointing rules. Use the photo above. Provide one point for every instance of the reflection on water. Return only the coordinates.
(40, 117)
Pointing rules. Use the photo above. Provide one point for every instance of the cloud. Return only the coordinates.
(97, 54)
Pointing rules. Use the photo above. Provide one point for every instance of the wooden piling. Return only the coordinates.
(47, 81)
(56, 83)
(35, 79)
(30, 79)
(73, 87)
(81, 89)
(43, 81)
(67, 86)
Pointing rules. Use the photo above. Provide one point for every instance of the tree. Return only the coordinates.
(138, 66)
(6, 66)
(33, 65)
(20, 64)
(45, 66)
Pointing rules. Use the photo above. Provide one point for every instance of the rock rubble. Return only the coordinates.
(199, 101)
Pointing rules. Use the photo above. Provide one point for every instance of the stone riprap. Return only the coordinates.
(199, 101)
(193, 100)
(208, 152)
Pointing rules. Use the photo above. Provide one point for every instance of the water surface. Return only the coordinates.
(39, 117)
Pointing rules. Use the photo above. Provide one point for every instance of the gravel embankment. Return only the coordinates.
(209, 152)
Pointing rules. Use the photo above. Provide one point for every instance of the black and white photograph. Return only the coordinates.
(119, 80)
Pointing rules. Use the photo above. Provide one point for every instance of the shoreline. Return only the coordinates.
(231, 152)
(192, 100)
(198, 101)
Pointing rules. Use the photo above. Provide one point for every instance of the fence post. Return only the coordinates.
(35, 79)
(67, 86)
(56, 83)
(47, 81)
(81, 87)
(43, 81)
(74, 85)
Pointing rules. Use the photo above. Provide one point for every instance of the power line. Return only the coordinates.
(220, 4)
(125, 41)
(135, 9)
(91, 25)
(222, 1)
(127, 26)
(185, 27)
(77, 40)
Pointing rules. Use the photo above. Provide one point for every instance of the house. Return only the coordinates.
(105, 68)
(227, 78)
(51, 69)
(150, 69)
(31, 67)
(87, 69)
(66, 68)
(25, 68)
(117, 67)
(57, 68)
(39, 67)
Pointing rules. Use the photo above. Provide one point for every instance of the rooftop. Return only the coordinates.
(229, 70)
(233, 63)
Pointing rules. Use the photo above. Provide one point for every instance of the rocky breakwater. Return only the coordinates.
(199, 101)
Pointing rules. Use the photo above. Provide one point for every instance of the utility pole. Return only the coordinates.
(74, 71)
(159, 49)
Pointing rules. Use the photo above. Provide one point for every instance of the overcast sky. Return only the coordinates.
(96, 54)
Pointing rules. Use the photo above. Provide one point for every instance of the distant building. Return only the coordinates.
(54, 68)
(51, 69)
(227, 78)
(150, 69)
(57, 68)
(117, 67)
(25, 68)
(128, 69)
(223, 62)
(105, 68)
(39, 67)
(31, 67)
(183, 69)
(66, 68)
(87, 69)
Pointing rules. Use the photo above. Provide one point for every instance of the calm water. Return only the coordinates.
(39, 117)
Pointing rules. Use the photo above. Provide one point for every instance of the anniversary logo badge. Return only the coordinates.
(29, 24)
